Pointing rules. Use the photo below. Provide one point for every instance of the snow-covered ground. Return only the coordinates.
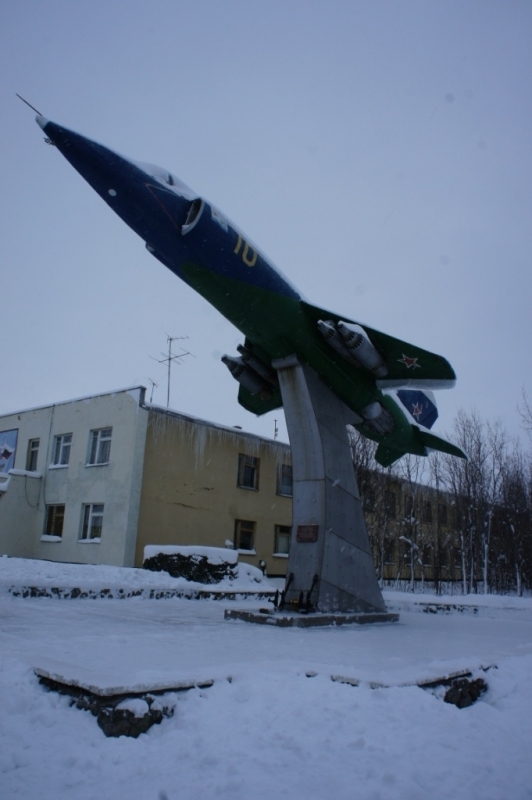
(270, 731)
(25, 572)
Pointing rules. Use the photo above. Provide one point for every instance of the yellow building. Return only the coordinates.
(94, 480)
(412, 529)
(97, 479)
(210, 485)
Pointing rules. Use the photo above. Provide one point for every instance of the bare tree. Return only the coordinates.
(515, 514)
(490, 495)
(374, 484)
(441, 542)
(493, 471)
(525, 412)
(412, 472)
(467, 482)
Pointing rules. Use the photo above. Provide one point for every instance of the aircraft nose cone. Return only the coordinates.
(60, 136)
(41, 121)
(92, 160)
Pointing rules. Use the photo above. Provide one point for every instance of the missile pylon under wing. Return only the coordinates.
(201, 246)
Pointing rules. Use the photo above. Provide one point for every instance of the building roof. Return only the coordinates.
(198, 421)
(156, 409)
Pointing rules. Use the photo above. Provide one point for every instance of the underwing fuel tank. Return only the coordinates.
(258, 366)
(352, 343)
(245, 375)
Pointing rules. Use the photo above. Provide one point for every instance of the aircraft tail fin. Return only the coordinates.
(420, 405)
(424, 441)
(432, 442)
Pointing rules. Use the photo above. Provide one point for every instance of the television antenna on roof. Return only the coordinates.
(169, 360)
(153, 386)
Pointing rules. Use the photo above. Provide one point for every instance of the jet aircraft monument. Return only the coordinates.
(327, 370)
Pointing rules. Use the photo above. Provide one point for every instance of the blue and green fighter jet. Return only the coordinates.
(386, 383)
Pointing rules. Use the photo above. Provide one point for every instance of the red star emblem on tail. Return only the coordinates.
(410, 362)
(417, 411)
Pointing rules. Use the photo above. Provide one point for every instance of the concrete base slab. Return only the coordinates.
(76, 679)
(287, 620)
(74, 593)
(424, 683)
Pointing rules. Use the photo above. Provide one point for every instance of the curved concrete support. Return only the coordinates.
(329, 536)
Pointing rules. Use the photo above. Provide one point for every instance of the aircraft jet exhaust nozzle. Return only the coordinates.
(372, 411)
(378, 418)
(247, 376)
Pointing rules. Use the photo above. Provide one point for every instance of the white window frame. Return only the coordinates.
(281, 530)
(249, 527)
(32, 454)
(248, 472)
(283, 470)
(53, 516)
(61, 451)
(90, 514)
(99, 447)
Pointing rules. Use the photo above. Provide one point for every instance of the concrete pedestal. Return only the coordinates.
(330, 563)
(287, 620)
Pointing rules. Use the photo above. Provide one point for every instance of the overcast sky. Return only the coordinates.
(378, 152)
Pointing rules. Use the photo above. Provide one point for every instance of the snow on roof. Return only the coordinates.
(199, 421)
(139, 393)
(129, 390)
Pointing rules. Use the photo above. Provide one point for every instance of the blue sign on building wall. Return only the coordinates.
(8, 446)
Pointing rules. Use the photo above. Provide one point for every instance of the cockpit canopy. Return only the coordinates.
(166, 178)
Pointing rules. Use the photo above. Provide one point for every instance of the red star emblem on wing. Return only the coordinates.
(410, 362)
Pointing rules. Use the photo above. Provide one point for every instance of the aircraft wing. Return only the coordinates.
(407, 364)
(254, 403)
(264, 401)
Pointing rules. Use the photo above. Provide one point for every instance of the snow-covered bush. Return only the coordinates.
(198, 564)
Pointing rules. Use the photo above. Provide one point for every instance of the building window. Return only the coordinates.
(248, 471)
(92, 521)
(244, 534)
(61, 452)
(389, 551)
(284, 480)
(442, 513)
(409, 506)
(281, 545)
(55, 516)
(368, 500)
(404, 549)
(389, 504)
(100, 446)
(33, 452)
(427, 512)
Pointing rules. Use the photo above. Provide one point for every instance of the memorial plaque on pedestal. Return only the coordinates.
(307, 533)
